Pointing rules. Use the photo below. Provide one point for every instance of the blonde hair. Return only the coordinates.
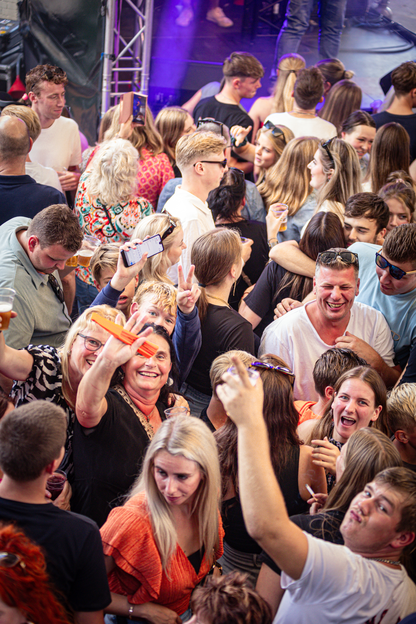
(222, 363)
(26, 114)
(190, 438)
(104, 257)
(156, 266)
(82, 324)
(345, 173)
(170, 122)
(142, 136)
(289, 65)
(193, 147)
(267, 177)
(401, 408)
(113, 175)
(291, 182)
(163, 294)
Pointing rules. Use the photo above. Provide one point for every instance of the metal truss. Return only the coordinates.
(126, 61)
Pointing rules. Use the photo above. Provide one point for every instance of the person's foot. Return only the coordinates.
(185, 18)
(218, 16)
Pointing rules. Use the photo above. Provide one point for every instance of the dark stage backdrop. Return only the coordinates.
(68, 33)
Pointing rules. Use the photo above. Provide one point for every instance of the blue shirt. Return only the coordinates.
(398, 310)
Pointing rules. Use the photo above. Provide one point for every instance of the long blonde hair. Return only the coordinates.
(190, 438)
(292, 178)
(289, 65)
(155, 267)
(266, 179)
(345, 178)
(142, 136)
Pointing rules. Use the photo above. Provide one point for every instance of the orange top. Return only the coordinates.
(304, 411)
(128, 537)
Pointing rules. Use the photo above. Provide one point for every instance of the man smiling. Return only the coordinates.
(332, 319)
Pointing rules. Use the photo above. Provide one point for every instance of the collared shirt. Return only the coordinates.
(41, 317)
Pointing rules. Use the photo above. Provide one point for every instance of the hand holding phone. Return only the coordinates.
(151, 246)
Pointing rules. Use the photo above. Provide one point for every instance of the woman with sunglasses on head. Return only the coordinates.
(291, 459)
(26, 595)
(107, 205)
(226, 203)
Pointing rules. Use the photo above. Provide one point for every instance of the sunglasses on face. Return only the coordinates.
(396, 272)
(276, 132)
(326, 148)
(329, 257)
(223, 163)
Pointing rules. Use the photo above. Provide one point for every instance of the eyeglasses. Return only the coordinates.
(276, 132)
(396, 272)
(326, 148)
(329, 257)
(53, 282)
(211, 120)
(9, 560)
(279, 369)
(223, 163)
(91, 344)
(170, 229)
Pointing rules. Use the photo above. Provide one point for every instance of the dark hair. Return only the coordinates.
(230, 599)
(281, 419)
(333, 70)
(344, 98)
(331, 365)
(56, 225)
(31, 437)
(168, 388)
(44, 73)
(325, 228)
(5, 401)
(402, 480)
(309, 88)
(242, 65)
(403, 78)
(370, 206)
(355, 119)
(225, 200)
(400, 244)
(390, 152)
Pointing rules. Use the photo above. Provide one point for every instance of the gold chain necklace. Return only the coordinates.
(219, 299)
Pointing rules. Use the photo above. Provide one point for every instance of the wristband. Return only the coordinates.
(242, 144)
(272, 242)
(131, 611)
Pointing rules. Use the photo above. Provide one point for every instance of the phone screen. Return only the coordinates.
(152, 246)
(139, 109)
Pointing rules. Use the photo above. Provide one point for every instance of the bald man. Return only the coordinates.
(20, 195)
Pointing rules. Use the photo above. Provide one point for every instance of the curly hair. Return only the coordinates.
(26, 586)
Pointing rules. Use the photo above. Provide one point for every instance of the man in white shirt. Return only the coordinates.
(332, 319)
(59, 144)
(302, 120)
(201, 160)
(361, 582)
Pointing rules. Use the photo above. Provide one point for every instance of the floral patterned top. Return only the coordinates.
(110, 224)
(152, 175)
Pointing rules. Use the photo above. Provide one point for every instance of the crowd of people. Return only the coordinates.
(207, 354)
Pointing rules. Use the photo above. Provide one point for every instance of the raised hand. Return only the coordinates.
(325, 454)
(123, 275)
(188, 290)
(242, 401)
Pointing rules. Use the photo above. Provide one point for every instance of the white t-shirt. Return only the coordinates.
(294, 339)
(43, 175)
(308, 126)
(59, 146)
(196, 219)
(339, 586)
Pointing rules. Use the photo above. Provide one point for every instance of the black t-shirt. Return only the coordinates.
(107, 459)
(410, 372)
(230, 114)
(259, 256)
(261, 299)
(407, 121)
(223, 329)
(72, 547)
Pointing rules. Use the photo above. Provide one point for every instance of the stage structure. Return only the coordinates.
(127, 49)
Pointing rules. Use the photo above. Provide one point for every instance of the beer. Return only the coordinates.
(84, 257)
(72, 262)
(5, 314)
(278, 210)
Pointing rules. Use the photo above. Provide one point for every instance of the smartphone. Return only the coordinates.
(152, 246)
(134, 104)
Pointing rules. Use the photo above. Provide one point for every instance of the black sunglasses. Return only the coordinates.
(50, 74)
(53, 282)
(276, 132)
(223, 163)
(328, 257)
(396, 272)
(238, 173)
(326, 148)
(170, 229)
(211, 120)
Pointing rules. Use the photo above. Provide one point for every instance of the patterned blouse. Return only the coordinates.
(152, 175)
(110, 224)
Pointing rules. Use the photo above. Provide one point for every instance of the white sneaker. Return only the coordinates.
(218, 16)
(185, 18)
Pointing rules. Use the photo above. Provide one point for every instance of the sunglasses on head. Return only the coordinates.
(276, 132)
(211, 120)
(326, 148)
(9, 560)
(396, 272)
(278, 369)
(170, 229)
(329, 257)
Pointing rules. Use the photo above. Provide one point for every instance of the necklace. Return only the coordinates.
(389, 561)
(219, 299)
